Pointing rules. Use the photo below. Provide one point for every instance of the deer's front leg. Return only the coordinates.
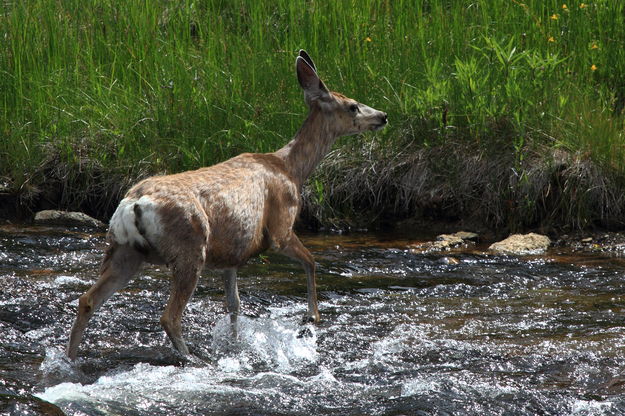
(296, 250)
(232, 300)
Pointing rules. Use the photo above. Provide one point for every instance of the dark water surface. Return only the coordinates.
(402, 334)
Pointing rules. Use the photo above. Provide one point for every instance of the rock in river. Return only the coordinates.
(519, 244)
(445, 242)
(67, 219)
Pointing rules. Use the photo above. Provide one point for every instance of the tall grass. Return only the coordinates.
(111, 90)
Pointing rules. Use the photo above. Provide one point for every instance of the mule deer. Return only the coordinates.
(220, 216)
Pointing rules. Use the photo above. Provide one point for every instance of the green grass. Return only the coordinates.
(104, 92)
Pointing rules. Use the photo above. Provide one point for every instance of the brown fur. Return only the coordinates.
(220, 216)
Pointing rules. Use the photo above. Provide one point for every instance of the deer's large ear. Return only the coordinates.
(313, 87)
(308, 59)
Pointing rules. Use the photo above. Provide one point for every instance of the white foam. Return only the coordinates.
(590, 407)
(419, 387)
(403, 337)
(142, 379)
(69, 280)
(57, 365)
(64, 392)
(268, 342)
(230, 364)
(46, 332)
(325, 378)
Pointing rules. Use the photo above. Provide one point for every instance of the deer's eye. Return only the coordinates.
(353, 108)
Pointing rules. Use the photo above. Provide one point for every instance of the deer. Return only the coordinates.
(220, 216)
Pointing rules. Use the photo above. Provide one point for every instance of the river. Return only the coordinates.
(402, 333)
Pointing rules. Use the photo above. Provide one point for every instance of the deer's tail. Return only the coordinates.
(136, 222)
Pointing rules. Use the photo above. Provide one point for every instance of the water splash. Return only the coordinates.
(271, 342)
(56, 367)
(267, 342)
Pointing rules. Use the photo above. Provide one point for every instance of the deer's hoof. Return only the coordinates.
(310, 319)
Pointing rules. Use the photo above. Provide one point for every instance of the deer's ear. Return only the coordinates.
(313, 87)
(308, 59)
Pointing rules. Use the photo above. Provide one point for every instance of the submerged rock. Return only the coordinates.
(519, 244)
(67, 219)
(12, 403)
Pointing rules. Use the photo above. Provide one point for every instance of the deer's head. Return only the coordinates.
(345, 115)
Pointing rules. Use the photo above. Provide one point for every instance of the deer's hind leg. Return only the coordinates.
(119, 265)
(185, 278)
(186, 254)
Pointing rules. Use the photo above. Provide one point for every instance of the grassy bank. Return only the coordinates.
(507, 111)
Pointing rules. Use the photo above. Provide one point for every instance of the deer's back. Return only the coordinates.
(235, 209)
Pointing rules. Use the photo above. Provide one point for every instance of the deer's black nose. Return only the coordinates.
(384, 118)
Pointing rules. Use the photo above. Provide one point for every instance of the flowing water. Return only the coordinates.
(403, 333)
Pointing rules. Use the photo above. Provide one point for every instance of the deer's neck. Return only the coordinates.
(309, 146)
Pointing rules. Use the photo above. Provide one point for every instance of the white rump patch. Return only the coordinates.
(123, 223)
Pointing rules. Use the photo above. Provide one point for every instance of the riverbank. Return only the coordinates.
(550, 189)
(365, 185)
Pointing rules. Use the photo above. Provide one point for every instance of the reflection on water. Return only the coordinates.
(402, 333)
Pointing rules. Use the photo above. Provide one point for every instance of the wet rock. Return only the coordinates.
(445, 242)
(607, 242)
(12, 403)
(602, 242)
(67, 219)
(615, 385)
(519, 244)
(467, 236)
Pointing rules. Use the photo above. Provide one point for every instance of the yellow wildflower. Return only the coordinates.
(594, 46)
(583, 5)
(566, 9)
(551, 39)
(368, 39)
(593, 67)
(554, 16)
